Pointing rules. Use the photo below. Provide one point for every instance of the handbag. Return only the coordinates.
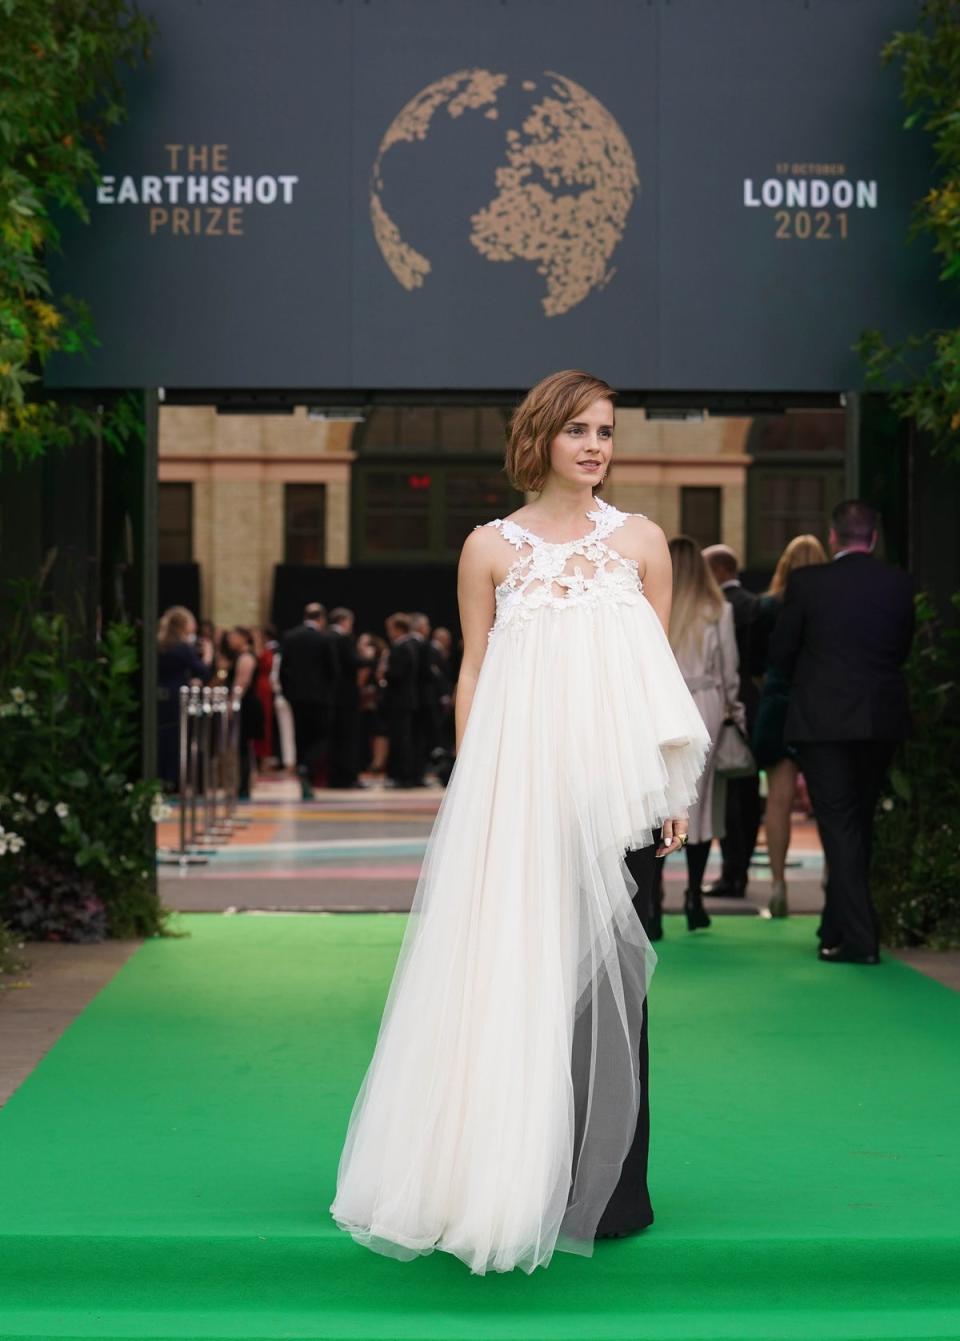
(733, 757)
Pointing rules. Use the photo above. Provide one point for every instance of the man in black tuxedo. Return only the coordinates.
(345, 739)
(400, 701)
(842, 637)
(308, 679)
(426, 721)
(743, 794)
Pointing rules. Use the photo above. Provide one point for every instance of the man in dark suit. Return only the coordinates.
(842, 637)
(426, 722)
(400, 702)
(743, 794)
(308, 679)
(345, 740)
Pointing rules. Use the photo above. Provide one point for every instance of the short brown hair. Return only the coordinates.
(539, 418)
(854, 521)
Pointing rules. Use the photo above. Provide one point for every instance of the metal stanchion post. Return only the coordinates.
(209, 762)
(182, 855)
(213, 829)
(219, 729)
(229, 713)
(198, 766)
(232, 758)
(193, 713)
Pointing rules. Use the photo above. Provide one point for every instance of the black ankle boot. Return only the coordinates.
(697, 915)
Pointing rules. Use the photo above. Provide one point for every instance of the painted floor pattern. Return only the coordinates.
(363, 849)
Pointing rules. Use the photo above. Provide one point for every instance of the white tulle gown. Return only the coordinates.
(502, 1094)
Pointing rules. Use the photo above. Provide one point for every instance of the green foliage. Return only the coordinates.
(12, 962)
(916, 858)
(922, 374)
(74, 823)
(60, 92)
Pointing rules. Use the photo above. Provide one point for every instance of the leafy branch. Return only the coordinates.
(922, 373)
(60, 93)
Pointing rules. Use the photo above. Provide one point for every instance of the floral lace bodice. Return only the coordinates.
(565, 573)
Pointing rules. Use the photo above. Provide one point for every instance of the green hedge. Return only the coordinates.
(916, 856)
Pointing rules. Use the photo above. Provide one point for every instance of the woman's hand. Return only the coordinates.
(673, 836)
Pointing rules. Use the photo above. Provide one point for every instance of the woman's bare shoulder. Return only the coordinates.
(639, 537)
(481, 543)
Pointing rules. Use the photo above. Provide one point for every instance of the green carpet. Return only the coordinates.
(166, 1170)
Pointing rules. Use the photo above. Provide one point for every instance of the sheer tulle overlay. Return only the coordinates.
(502, 1095)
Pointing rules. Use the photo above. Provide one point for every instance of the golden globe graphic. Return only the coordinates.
(559, 199)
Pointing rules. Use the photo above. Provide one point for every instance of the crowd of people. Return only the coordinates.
(345, 710)
(720, 633)
(810, 670)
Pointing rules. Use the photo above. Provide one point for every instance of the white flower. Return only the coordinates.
(15, 842)
(3, 845)
(19, 796)
(886, 803)
(128, 787)
(159, 810)
(18, 695)
(61, 809)
(27, 711)
(7, 709)
(42, 807)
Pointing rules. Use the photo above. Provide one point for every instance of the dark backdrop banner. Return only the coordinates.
(467, 194)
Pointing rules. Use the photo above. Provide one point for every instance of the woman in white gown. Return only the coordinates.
(487, 1124)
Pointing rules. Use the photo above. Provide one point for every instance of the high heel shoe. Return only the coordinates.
(777, 903)
(697, 915)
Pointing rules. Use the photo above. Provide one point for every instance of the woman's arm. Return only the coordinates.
(645, 542)
(657, 571)
(198, 670)
(244, 673)
(475, 597)
(730, 657)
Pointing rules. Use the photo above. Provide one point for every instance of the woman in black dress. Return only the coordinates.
(773, 755)
(242, 674)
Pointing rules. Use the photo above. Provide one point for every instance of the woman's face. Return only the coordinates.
(581, 451)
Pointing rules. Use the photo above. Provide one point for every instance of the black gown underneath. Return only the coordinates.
(629, 1208)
